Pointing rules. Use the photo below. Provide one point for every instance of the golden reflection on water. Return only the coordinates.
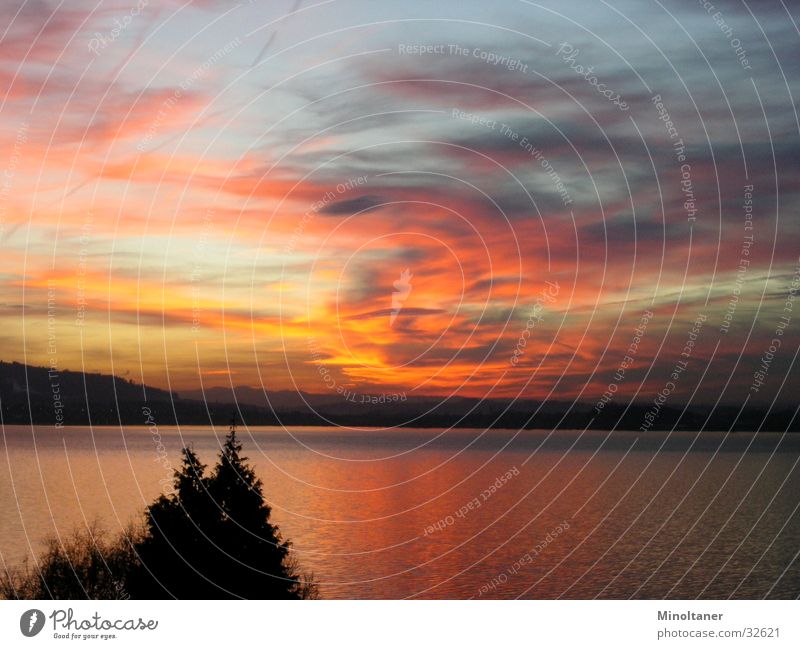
(412, 514)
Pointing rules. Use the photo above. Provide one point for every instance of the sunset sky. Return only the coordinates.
(231, 193)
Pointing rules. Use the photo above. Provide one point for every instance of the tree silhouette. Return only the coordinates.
(212, 538)
(86, 565)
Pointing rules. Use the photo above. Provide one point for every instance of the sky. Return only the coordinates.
(548, 200)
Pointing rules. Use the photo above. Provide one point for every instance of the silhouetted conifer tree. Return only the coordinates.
(212, 537)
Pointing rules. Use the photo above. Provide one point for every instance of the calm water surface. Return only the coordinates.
(376, 514)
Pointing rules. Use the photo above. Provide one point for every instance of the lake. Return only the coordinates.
(459, 514)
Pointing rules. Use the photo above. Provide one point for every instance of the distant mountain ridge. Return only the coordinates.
(14, 377)
(41, 396)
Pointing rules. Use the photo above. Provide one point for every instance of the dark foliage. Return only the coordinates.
(209, 539)
(86, 565)
(212, 539)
